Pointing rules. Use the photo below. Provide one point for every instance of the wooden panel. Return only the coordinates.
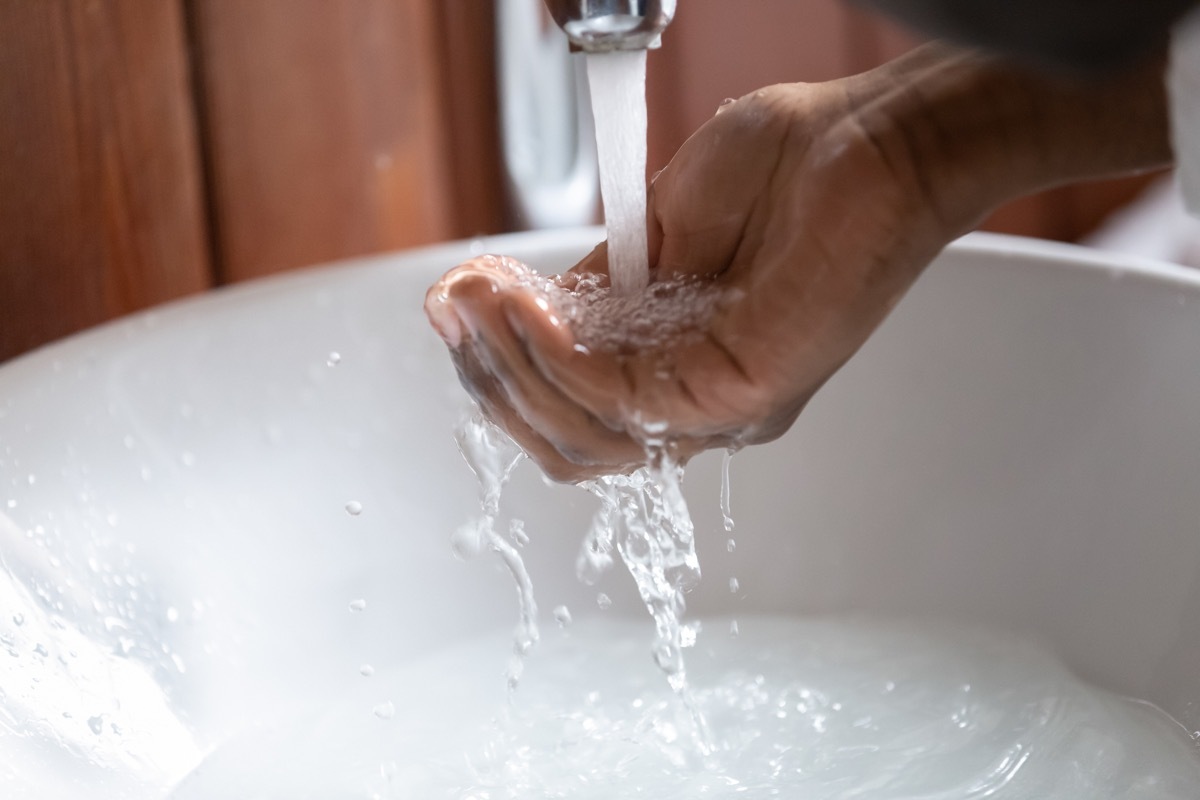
(100, 205)
(325, 137)
(466, 40)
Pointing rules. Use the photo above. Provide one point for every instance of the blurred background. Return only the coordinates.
(152, 149)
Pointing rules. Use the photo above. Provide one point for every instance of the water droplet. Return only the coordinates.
(604, 601)
(385, 710)
(31, 479)
(96, 724)
(730, 545)
(516, 532)
(733, 628)
(41, 650)
(186, 411)
(354, 508)
(128, 441)
(111, 519)
(562, 615)
(11, 503)
(366, 670)
(172, 614)
(733, 585)
(188, 458)
(18, 619)
(334, 358)
(358, 605)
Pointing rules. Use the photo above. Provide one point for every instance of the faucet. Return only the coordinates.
(600, 26)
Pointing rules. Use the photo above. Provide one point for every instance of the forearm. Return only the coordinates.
(971, 131)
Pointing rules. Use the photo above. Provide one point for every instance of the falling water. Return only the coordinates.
(618, 86)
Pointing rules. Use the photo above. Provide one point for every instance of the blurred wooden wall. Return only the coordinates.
(150, 149)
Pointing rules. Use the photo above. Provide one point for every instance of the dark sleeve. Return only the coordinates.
(1074, 35)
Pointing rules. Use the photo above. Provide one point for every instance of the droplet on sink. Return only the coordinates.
(354, 508)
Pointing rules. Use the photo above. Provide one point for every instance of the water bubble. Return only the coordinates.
(562, 615)
(358, 605)
(603, 601)
(366, 670)
(733, 585)
(354, 508)
(334, 358)
(385, 710)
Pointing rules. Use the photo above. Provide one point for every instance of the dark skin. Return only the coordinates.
(819, 205)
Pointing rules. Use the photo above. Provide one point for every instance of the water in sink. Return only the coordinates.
(812, 708)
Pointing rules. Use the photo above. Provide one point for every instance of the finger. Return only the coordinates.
(489, 394)
(578, 436)
(591, 379)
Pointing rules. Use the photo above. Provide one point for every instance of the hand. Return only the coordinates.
(813, 208)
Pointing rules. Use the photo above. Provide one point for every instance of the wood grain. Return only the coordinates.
(325, 137)
(100, 196)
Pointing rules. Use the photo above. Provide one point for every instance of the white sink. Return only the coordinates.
(1019, 446)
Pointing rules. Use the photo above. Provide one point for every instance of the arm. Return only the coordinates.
(816, 206)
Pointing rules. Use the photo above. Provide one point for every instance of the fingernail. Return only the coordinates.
(445, 321)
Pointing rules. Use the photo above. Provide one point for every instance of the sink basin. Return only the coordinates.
(219, 510)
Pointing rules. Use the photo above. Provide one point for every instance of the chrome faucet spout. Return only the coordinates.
(598, 26)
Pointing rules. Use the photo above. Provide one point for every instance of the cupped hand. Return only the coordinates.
(808, 209)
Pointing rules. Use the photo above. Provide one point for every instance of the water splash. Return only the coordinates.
(645, 518)
(492, 456)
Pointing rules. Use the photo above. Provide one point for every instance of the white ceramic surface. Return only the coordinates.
(1018, 445)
